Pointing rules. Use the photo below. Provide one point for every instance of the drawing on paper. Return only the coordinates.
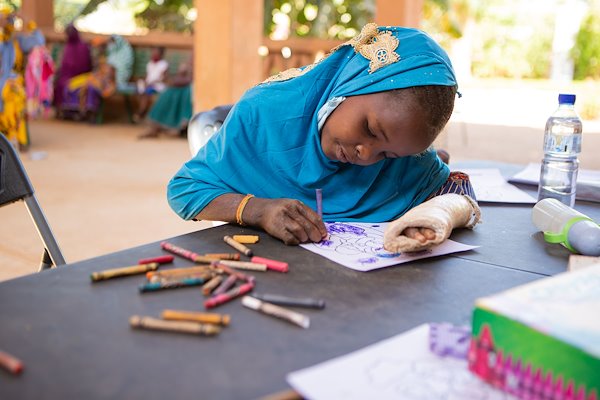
(360, 246)
(364, 241)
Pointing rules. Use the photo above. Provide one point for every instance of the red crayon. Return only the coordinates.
(190, 255)
(228, 296)
(158, 260)
(11, 363)
(275, 265)
(593, 395)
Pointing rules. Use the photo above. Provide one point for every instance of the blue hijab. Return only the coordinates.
(269, 145)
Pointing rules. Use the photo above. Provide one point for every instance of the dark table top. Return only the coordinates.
(75, 340)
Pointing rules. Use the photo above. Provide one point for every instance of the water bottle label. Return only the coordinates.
(569, 144)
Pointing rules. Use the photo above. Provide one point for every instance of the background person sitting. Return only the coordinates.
(156, 70)
(83, 94)
(76, 60)
(119, 54)
(173, 109)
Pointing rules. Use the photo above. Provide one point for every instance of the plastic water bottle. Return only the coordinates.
(564, 225)
(562, 144)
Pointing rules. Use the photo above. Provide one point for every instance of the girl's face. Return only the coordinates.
(366, 129)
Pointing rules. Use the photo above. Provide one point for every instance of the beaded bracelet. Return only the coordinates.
(240, 209)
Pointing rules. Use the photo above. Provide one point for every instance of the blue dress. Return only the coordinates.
(269, 145)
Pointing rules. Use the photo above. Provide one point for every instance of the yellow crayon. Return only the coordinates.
(246, 239)
(207, 318)
(124, 271)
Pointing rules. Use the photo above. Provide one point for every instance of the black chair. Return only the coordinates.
(204, 124)
(15, 186)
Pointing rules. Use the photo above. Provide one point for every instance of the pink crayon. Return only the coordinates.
(580, 393)
(274, 265)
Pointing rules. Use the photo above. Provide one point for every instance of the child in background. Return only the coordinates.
(154, 83)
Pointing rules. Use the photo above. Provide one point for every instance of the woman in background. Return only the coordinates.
(76, 60)
(13, 48)
(119, 54)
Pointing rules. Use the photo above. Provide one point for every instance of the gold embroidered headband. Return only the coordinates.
(377, 47)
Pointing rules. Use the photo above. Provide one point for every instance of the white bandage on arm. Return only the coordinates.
(441, 214)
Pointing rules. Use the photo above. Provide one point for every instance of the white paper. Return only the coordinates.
(359, 246)
(531, 175)
(490, 186)
(401, 367)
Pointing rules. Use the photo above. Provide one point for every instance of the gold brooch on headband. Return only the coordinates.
(377, 47)
(380, 50)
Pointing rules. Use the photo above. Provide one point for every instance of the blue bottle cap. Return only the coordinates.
(566, 98)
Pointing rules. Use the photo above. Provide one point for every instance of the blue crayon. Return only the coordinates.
(155, 286)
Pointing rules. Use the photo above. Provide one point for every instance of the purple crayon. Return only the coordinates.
(225, 285)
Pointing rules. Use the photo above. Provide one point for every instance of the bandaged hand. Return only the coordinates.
(431, 223)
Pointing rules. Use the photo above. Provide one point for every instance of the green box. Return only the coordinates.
(541, 340)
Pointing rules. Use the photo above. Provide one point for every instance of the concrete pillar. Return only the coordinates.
(407, 13)
(41, 11)
(227, 34)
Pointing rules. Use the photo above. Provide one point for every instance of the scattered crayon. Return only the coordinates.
(229, 295)
(195, 328)
(159, 260)
(251, 266)
(291, 301)
(319, 195)
(172, 278)
(209, 286)
(224, 256)
(124, 271)
(246, 239)
(190, 255)
(225, 285)
(238, 246)
(10, 363)
(207, 318)
(155, 286)
(230, 271)
(276, 311)
(179, 271)
(274, 265)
